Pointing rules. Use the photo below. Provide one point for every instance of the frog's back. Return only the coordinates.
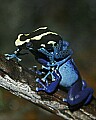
(40, 36)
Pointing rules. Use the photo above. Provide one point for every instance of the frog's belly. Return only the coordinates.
(69, 74)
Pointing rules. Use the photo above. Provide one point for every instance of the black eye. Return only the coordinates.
(55, 44)
(49, 47)
(23, 38)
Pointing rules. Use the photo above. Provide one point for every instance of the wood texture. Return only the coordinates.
(21, 82)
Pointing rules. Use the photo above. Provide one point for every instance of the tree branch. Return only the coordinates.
(21, 82)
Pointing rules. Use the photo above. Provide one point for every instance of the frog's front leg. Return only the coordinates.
(14, 55)
(49, 88)
(79, 94)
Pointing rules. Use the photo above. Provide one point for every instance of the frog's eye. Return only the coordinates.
(49, 46)
(22, 37)
(53, 43)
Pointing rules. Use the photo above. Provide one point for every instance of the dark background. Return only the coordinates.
(74, 20)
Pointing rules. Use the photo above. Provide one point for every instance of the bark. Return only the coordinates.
(21, 82)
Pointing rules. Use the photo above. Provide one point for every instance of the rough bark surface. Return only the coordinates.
(21, 82)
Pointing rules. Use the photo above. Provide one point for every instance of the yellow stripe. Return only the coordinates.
(40, 29)
(44, 34)
(18, 42)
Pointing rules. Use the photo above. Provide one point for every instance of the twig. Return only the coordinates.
(21, 82)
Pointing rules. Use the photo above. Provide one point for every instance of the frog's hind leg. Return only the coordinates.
(89, 96)
(79, 95)
(84, 86)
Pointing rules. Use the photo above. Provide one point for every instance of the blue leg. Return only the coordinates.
(53, 85)
(45, 78)
(77, 95)
(41, 83)
(43, 62)
(89, 96)
(90, 92)
(50, 88)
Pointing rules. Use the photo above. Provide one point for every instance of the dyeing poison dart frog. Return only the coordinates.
(57, 65)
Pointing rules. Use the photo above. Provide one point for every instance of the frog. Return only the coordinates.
(59, 70)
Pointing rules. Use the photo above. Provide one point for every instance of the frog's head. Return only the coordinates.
(41, 37)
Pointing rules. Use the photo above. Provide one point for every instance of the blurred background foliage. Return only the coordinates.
(74, 20)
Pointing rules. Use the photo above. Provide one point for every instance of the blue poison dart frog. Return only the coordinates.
(58, 68)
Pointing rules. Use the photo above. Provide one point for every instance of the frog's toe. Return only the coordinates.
(6, 55)
(9, 56)
(64, 100)
(37, 80)
(19, 60)
(37, 89)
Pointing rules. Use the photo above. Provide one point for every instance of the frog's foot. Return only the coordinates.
(49, 88)
(83, 97)
(44, 83)
(84, 86)
(77, 96)
(43, 88)
(11, 56)
(65, 100)
(88, 99)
